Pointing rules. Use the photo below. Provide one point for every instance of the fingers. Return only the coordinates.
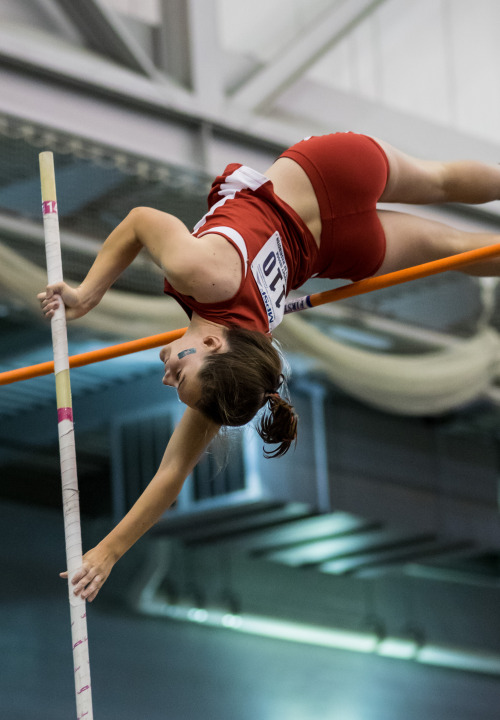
(50, 306)
(91, 576)
(87, 582)
(93, 588)
(61, 293)
(49, 301)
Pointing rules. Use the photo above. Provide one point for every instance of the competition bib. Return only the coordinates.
(271, 275)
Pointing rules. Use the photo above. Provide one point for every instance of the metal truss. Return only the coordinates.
(167, 98)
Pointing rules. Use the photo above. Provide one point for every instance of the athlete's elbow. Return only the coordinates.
(139, 216)
(136, 222)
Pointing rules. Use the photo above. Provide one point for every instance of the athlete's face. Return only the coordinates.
(183, 360)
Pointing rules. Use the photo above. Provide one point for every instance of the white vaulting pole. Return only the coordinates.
(71, 504)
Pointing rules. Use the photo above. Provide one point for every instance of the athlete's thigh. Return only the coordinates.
(412, 180)
(412, 240)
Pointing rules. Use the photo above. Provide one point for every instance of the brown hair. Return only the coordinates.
(237, 383)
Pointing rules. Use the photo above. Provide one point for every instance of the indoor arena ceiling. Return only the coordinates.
(144, 102)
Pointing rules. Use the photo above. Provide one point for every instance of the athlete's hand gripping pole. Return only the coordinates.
(69, 478)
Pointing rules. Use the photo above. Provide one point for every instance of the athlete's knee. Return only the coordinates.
(412, 180)
(450, 181)
(454, 241)
(428, 180)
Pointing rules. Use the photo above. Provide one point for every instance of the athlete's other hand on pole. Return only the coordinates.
(96, 567)
(71, 297)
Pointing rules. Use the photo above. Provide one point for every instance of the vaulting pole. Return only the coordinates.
(71, 504)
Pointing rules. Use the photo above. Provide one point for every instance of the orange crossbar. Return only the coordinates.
(358, 288)
(94, 356)
(401, 276)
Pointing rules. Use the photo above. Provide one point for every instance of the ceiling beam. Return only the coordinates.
(58, 21)
(206, 69)
(72, 90)
(302, 52)
(104, 32)
(173, 41)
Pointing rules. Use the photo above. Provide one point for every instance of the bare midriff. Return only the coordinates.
(222, 274)
(292, 185)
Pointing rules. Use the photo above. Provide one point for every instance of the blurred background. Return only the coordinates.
(358, 577)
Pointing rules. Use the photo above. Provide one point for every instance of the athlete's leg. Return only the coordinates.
(426, 181)
(412, 240)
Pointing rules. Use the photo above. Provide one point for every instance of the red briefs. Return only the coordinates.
(278, 253)
(348, 173)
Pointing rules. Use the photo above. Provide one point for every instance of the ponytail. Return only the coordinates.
(278, 426)
(237, 383)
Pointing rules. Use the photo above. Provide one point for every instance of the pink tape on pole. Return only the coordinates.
(49, 206)
(64, 414)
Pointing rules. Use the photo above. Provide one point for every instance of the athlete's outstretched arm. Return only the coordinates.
(164, 236)
(189, 440)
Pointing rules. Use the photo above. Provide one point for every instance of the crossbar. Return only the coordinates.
(415, 272)
(361, 287)
(113, 351)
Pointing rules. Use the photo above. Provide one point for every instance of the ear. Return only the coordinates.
(212, 343)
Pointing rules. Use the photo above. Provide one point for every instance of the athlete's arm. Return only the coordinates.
(164, 236)
(189, 439)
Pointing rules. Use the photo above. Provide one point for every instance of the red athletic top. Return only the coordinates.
(278, 253)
